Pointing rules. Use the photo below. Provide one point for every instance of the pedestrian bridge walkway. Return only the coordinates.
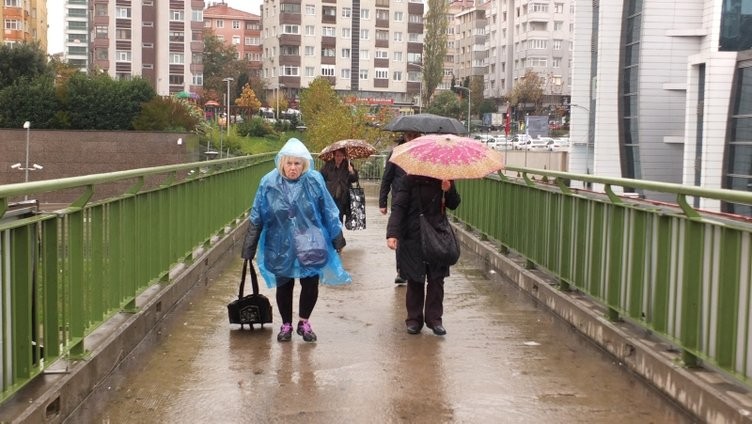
(95, 270)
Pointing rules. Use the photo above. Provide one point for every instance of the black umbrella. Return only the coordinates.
(426, 123)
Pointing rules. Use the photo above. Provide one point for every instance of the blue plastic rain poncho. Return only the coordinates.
(287, 210)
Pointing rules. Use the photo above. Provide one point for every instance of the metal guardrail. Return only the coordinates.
(64, 272)
(682, 273)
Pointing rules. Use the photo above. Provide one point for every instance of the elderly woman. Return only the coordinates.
(294, 225)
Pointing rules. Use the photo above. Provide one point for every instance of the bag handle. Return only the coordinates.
(254, 278)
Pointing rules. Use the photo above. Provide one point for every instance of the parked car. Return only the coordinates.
(537, 144)
(519, 141)
(559, 145)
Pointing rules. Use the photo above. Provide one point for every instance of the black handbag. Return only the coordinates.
(356, 219)
(252, 309)
(439, 244)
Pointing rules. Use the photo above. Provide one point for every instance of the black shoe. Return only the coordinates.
(413, 329)
(399, 280)
(438, 329)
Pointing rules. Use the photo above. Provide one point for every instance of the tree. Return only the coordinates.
(476, 94)
(166, 114)
(21, 60)
(317, 100)
(434, 47)
(445, 104)
(99, 102)
(527, 93)
(248, 101)
(32, 100)
(220, 62)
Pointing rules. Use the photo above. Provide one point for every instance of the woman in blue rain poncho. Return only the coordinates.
(294, 224)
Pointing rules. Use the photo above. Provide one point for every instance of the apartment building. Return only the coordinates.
(525, 35)
(76, 45)
(365, 48)
(24, 21)
(161, 41)
(238, 28)
(662, 93)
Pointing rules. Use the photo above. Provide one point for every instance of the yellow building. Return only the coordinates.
(24, 21)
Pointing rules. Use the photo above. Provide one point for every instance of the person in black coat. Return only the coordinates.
(339, 174)
(391, 178)
(429, 196)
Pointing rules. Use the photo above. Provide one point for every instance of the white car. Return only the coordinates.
(537, 144)
(559, 145)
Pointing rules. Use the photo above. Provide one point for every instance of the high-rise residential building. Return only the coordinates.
(364, 48)
(24, 21)
(661, 91)
(161, 41)
(76, 45)
(238, 28)
(523, 36)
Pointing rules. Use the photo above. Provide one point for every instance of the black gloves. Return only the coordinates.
(251, 241)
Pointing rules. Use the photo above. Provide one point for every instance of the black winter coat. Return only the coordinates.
(392, 176)
(338, 180)
(413, 194)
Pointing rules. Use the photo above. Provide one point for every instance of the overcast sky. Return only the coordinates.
(56, 18)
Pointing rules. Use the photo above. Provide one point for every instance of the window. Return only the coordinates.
(329, 11)
(397, 76)
(102, 53)
(235, 39)
(290, 71)
(345, 74)
(235, 24)
(399, 16)
(176, 58)
(382, 54)
(197, 58)
(381, 73)
(536, 61)
(77, 13)
(415, 37)
(397, 56)
(557, 45)
(345, 53)
(176, 80)
(364, 14)
(100, 31)
(328, 31)
(290, 29)
(197, 16)
(556, 62)
(198, 79)
(13, 24)
(175, 36)
(558, 7)
(123, 34)
(310, 30)
(122, 12)
(123, 56)
(558, 25)
(327, 70)
(310, 71)
(363, 74)
(415, 19)
(364, 34)
(537, 44)
(77, 25)
(382, 14)
(310, 50)
(382, 35)
(539, 7)
(175, 15)
(415, 58)
(346, 12)
(365, 55)
(289, 8)
(398, 37)
(346, 32)
(219, 23)
(12, 3)
(310, 9)
(328, 52)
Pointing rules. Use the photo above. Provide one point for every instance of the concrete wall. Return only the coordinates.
(74, 153)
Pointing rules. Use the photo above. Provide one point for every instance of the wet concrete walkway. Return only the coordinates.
(504, 359)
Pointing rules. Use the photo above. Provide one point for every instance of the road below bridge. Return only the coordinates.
(505, 359)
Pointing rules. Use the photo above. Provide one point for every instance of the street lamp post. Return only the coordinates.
(420, 93)
(468, 105)
(228, 80)
(27, 126)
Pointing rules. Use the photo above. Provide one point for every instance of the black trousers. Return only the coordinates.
(309, 294)
(424, 302)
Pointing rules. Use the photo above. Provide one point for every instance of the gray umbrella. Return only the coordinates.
(426, 123)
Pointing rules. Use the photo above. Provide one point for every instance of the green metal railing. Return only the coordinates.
(63, 273)
(680, 272)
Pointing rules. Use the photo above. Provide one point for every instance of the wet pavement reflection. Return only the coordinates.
(504, 359)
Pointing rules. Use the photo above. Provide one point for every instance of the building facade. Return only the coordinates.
(237, 28)
(661, 92)
(159, 41)
(364, 48)
(24, 21)
(76, 45)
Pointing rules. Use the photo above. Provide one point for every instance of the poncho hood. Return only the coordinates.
(296, 148)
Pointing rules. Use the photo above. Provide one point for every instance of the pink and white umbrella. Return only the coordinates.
(447, 157)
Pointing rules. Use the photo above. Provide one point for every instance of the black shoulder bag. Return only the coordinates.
(438, 242)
